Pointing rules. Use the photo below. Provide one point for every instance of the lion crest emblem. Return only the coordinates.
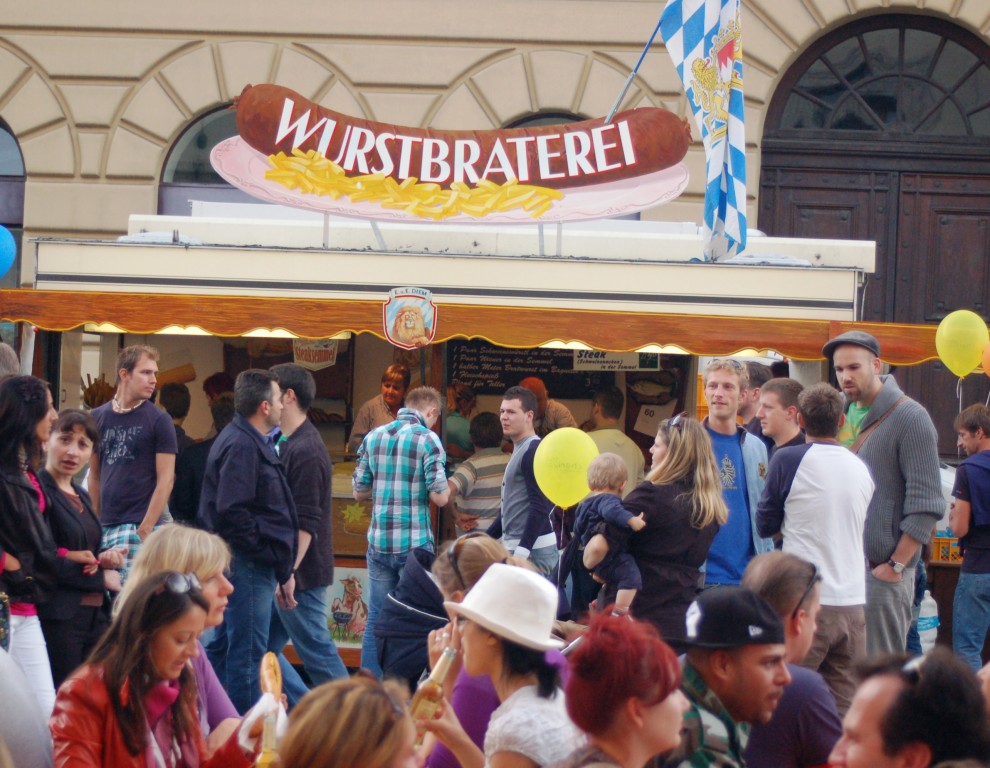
(410, 317)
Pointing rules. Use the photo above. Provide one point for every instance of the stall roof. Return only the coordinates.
(614, 286)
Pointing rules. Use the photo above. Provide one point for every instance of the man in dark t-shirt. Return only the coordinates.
(970, 521)
(131, 475)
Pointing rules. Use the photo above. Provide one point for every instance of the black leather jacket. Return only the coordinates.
(24, 533)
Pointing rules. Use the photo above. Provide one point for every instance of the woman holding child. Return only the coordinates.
(681, 503)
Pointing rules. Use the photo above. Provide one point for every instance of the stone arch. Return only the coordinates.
(196, 79)
(37, 114)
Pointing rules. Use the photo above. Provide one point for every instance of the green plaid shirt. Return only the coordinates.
(400, 463)
(711, 737)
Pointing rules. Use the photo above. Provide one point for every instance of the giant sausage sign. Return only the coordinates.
(295, 152)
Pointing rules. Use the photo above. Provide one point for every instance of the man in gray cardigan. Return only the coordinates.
(895, 436)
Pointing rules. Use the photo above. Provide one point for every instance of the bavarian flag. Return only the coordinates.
(702, 38)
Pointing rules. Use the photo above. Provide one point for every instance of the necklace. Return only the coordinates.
(118, 408)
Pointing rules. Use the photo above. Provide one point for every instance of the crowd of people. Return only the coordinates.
(746, 599)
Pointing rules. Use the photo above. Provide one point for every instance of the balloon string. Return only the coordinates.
(959, 393)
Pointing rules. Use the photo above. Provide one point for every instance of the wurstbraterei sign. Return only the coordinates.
(292, 151)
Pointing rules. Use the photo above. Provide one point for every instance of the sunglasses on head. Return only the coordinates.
(730, 361)
(180, 583)
(815, 578)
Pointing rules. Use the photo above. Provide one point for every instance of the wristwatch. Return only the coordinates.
(896, 566)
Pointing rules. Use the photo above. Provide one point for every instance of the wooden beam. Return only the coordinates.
(505, 326)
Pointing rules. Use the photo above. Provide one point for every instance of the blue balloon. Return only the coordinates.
(8, 251)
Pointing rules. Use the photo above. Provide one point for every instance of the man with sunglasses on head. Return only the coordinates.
(805, 725)
(742, 464)
(816, 497)
(247, 501)
(915, 713)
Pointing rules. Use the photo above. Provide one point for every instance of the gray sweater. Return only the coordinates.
(902, 454)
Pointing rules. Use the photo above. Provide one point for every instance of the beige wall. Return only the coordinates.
(96, 93)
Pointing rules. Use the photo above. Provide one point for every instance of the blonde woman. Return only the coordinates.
(681, 500)
(190, 550)
(352, 723)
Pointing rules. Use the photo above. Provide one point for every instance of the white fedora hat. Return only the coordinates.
(514, 603)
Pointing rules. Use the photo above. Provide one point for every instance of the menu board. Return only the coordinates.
(490, 370)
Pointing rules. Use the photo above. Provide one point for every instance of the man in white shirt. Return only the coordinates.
(816, 496)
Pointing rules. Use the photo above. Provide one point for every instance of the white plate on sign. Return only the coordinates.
(245, 168)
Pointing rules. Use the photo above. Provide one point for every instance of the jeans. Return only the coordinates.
(28, 649)
(888, 613)
(384, 569)
(971, 617)
(545, 559)
(306, 625)
(242, 639)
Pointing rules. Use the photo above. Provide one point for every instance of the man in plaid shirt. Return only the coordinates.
(400, 467)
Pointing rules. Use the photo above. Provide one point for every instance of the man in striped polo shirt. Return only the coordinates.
(476, 485)
(400, 467)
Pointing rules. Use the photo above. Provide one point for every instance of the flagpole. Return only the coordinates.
(632, 75)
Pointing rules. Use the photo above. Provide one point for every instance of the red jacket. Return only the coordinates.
(84, 728)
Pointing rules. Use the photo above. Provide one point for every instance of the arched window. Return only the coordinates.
(905, 76)
(188, 174)
(11, 208)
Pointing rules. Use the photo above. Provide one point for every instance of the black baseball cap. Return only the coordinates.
(731, 617)
(859, 338)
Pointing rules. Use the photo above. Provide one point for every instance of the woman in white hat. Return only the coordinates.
(504, 624)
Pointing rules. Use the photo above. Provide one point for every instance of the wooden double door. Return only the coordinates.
(931, 223)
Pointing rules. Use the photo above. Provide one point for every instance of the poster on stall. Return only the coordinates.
(314, 354)
(295, 152)
(650, 416)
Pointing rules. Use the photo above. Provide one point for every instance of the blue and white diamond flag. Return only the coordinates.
(702, 38)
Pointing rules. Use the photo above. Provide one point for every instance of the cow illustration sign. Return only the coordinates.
(294, 152)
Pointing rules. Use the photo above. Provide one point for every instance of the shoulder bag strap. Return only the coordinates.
(864, 434)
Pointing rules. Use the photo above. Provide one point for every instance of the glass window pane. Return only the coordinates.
(975, 91)
(189, 161)
(11, 162)
(946, 121)
(881, 95)
(980, 122)
(847, 58)
(883, 50)
(802, 113)
(918, 99)
(821, 83)
(919, 50)
(852, 116)
(954, 61)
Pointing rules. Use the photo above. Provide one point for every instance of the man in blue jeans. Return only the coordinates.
(400, 467)
(301, 602)
(970, 521)
(246, 501)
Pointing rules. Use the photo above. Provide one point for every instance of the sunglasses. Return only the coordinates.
(815, 578)
(728, 360)
(179, 583)
(454, 551)
(397, 708)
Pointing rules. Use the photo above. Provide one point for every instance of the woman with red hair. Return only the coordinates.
(623, 692)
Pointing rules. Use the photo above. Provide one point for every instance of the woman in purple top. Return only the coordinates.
(190, 550)
(457, 568)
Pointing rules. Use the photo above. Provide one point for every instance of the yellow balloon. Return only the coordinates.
(561, 465)
(960, 340)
